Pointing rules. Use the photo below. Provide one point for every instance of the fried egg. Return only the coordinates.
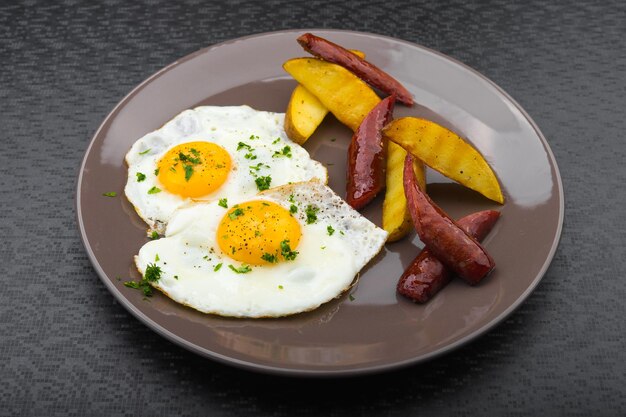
(285, 251)
(209, 153)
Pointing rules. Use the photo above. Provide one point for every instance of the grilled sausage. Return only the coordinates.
(368, 72)
(442, 236)
(426, 275)
(366, 156)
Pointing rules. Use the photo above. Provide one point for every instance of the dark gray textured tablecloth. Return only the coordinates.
(68, 348)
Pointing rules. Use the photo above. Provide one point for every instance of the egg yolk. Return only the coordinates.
(194, 169)
(259, 232)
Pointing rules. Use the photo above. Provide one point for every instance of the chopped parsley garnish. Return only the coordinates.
(311, 214)
(270, 258)
(188, 172)
(223, 203)
(276, 141)
(154, 235)
(152, 274)
(143, 286)
(156, 172)
(145, 152)
(217, 267)
(258, 166)
(293, 209)
(291, 199)
(257, 233)
(286, 251)
(140, 177)
(110, 194)
(330, 230)
(243, 269)
(286, 151)
(253, 137)
(156, 258)
(189, 159)
(189, 162)
(243, 145)
(341, 232)
(154, 190)
(235, 213)
(263, 183)
(351, 297)
(250, 156)
(280, 287)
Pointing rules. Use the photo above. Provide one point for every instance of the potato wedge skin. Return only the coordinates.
(396, 217)
(348, 97)
(446, 152)
(304, 114)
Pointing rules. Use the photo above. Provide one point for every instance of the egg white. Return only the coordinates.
(326, 264)
(226, 126)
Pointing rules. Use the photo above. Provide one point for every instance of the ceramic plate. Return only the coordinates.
(371, 328)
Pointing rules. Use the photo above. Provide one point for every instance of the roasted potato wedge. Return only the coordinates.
(346, 96)
(396, 216)
(305, 112)
(446, 152)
